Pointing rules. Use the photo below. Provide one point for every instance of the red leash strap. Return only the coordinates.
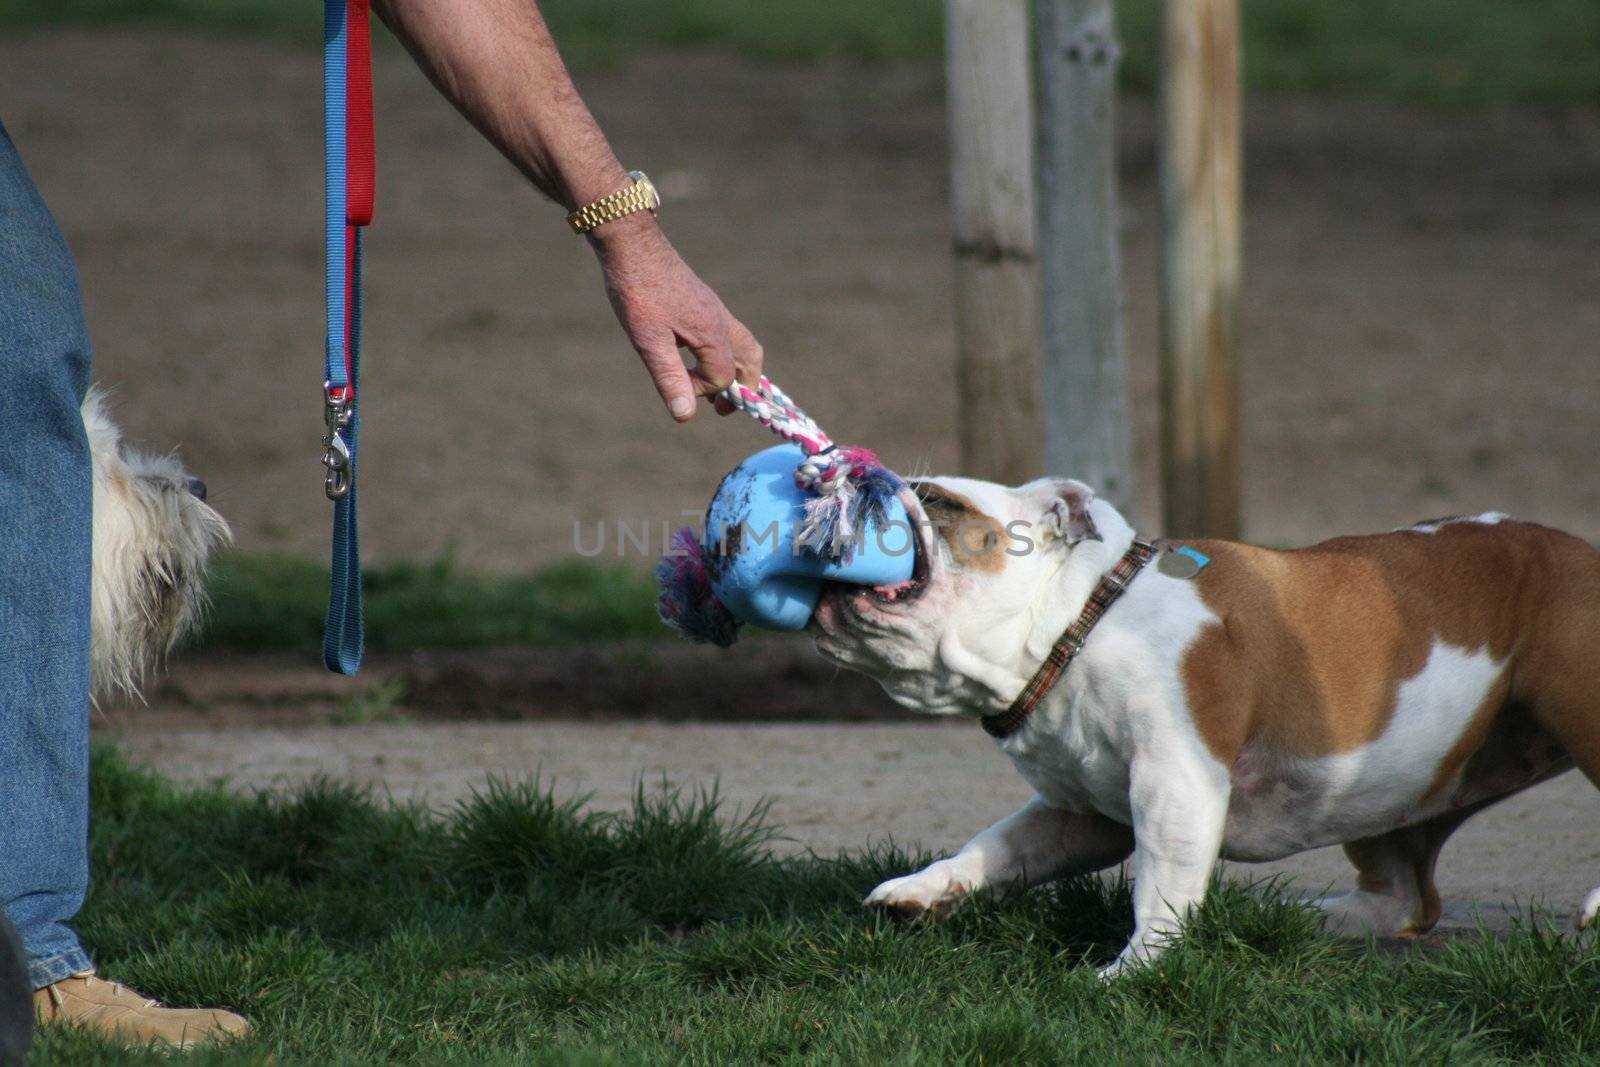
(361, 168)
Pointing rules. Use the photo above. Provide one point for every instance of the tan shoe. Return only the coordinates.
(110, 1008)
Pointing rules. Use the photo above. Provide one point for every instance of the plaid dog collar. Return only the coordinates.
(1070, 643)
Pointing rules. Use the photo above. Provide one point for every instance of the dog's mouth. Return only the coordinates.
(922, 558)
(838, 598)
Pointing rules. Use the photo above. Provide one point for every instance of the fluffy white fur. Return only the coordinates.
(153, 538)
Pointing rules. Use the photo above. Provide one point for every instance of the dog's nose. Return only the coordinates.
(198, 488)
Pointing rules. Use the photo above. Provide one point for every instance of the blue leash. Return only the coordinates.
(343, 637)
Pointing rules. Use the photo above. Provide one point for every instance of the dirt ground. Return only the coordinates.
(1420, 315)
(1420, 318)
(840, 764)
(835, 786)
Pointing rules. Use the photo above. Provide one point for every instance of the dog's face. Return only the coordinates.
(989, 559)
(153, 537)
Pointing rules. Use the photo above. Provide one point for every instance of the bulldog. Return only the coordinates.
(1237, 702)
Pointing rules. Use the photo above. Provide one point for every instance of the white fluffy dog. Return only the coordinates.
(153, 537)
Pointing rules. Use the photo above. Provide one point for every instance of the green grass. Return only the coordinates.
(519, 930)
(1447, 53)
(277, 602)
(1454, 53)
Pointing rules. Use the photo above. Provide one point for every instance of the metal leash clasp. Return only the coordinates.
(336, 414)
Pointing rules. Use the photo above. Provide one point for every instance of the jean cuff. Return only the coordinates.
(57, 968)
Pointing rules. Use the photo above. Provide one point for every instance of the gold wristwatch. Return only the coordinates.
(640, 196)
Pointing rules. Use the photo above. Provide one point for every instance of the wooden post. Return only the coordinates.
(1080, 270)
(1200, 218)
(994, 236)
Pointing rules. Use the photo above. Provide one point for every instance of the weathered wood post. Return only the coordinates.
(1085, 372)
(993, 230)
(1201, 193)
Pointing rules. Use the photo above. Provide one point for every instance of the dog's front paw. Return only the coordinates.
(1118, 967)
(1140, 951)
(931, 893)
(1135, 956)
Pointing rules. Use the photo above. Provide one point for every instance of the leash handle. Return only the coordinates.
(350, 169)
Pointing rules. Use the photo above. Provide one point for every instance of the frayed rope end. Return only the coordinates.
(686, 602)
(852, 491)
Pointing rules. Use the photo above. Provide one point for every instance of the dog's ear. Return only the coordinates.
(1067, 519)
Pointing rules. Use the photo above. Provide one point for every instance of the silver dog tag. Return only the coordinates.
(1181, 563)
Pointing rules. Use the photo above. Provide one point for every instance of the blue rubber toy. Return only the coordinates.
(784, 521)
(767, 553)
(756, 567)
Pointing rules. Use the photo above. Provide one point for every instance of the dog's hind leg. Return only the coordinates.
(1587, 759)
(1559, 678)
(1586, 755)
(1036, 844)
(1395, 892)
(1560, 686)
(1579, 735)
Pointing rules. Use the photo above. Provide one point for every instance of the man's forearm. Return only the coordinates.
(496, 61)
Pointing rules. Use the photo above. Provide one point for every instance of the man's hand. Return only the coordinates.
(496, 61)
(664, 306)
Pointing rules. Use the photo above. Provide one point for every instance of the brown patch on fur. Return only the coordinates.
(1558, 670)
(974, 538)
(1313, 644)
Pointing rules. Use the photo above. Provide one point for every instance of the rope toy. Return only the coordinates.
(847, 490)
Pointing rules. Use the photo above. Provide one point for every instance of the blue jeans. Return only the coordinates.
(46, 535)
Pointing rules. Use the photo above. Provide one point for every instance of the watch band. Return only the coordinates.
(641, 195)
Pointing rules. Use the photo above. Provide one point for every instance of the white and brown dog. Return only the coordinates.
(153, 538)
(1374, 692)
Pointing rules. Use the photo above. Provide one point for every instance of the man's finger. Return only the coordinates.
(714, 366)
(748, 356)
(672, 380)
